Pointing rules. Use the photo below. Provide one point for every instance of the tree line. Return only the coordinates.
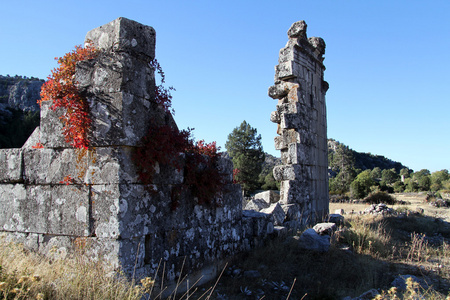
(347, 178)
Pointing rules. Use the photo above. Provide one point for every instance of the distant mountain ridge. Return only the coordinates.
(19, 110)
(20, 92)
(338, 153)
(360, 160)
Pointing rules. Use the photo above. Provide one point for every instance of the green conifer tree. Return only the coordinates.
(245, 149)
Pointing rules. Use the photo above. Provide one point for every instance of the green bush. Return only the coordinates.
(380, 197)
(399, 187)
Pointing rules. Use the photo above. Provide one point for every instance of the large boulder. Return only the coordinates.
(311, 240)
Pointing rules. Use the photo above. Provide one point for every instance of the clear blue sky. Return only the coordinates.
(387, 63)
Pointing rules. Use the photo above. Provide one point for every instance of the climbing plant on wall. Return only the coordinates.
(163, 144)
(61, 89)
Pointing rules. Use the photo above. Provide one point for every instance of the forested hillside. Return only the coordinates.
(19, 111)
(358, 174)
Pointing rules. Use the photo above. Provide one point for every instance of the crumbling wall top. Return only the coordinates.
(297, 30)
(123, 35)
(297, 37)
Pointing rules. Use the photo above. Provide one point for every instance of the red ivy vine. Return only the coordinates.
(61, 88)
(162, 147)
(202, 174)
(163, 97)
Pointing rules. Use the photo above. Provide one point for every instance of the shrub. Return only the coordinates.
(399, 187)
(360, 187)
(380, 197)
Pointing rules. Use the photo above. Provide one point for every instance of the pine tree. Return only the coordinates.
(245, 149)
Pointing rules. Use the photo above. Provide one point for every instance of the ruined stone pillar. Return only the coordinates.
(302, 123)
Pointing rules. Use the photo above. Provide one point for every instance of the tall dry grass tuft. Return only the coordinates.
(369, 236)
(418, 250)
(27, 275)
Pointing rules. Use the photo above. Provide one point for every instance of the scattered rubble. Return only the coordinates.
(379, 209)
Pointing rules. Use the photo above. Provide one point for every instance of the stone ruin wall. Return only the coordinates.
(106, 211)
(302, 124)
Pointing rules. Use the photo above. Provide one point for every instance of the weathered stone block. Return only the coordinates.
(295, 121)
(294, 192)
(319, 44)
(337, 219)
(130, 250)
(50, 166)
(12, 197)
(276, 212)
(232, 198)
(296, 95)
(288, 137)
(51, 127)
(278, 91)
(122, 119)
(256, 205)
(124, 35)
(325, 228)
(300, 154)
(286, 70)
(292, 108)
(291, 172)
(261, 223)
(292, 211)
(286, 54)
(29, 240)
(275, 117)
(225, 167)
(11, 165)
(268, 196)
(33, 139)
(280, 231)
(109, 165)
(69, 209)
(113, 73)
(122, 210)
(42, 209)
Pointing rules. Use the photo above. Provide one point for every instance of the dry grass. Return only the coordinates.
(411, 243)
(27, 275)
(413, 291)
